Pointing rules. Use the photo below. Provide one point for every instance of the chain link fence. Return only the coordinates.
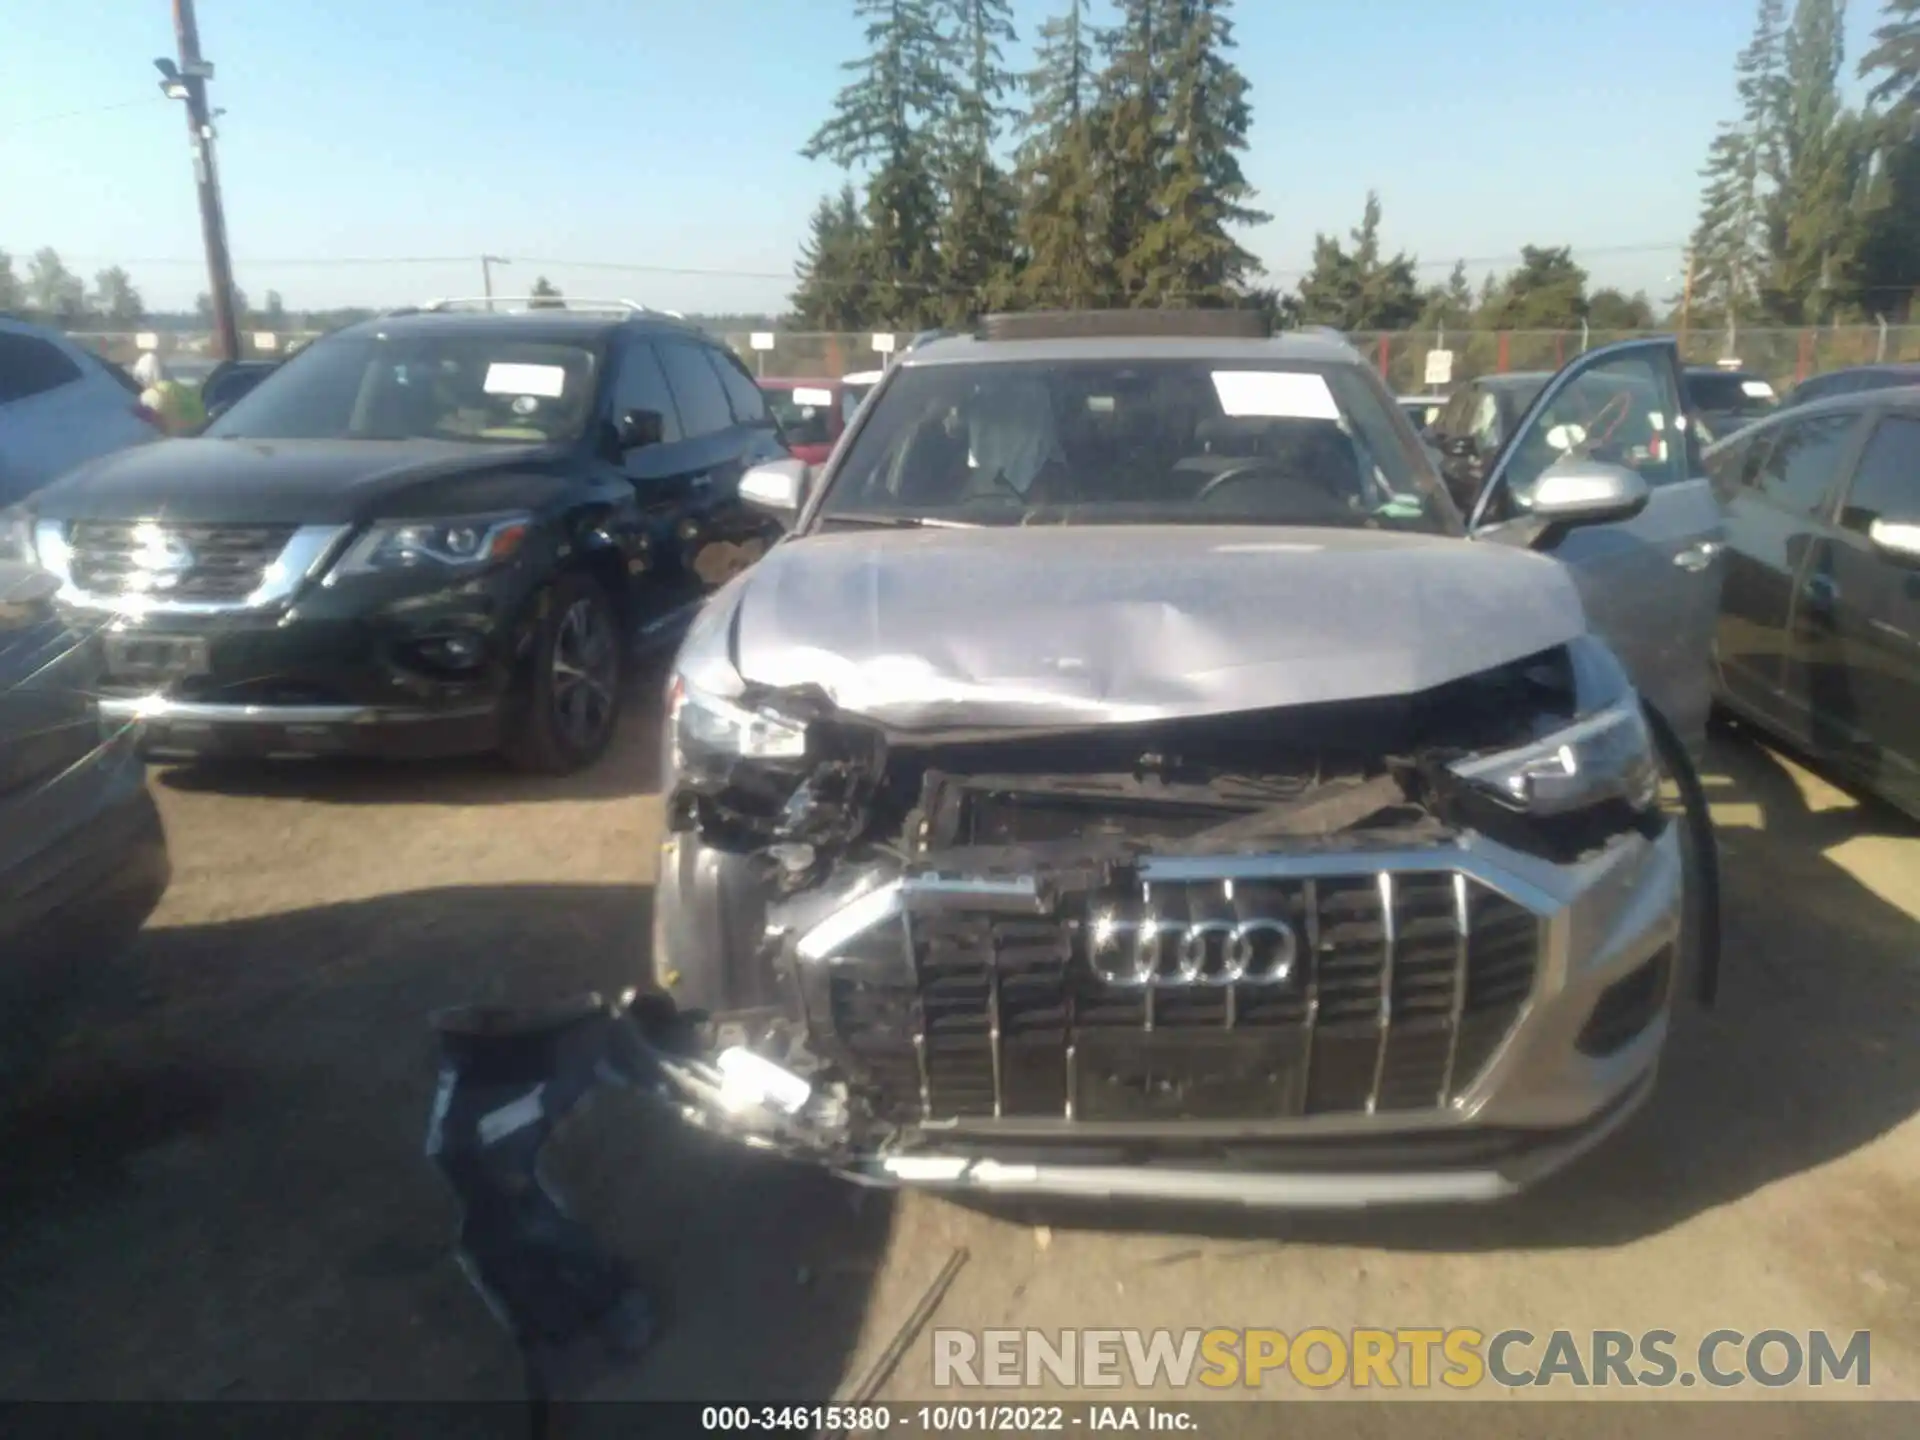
(1784, 356)
(123, 347)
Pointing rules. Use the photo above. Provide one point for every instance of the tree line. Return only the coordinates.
(1125, 187)
(1810, 212)
(52, 294)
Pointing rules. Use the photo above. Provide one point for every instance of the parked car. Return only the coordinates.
(1724, 398)
(1819, 637)
(860, 383)
(812, 414)
(230, 379)
(1853, 380)
(83, 857)
(1423, 410)
(1474, 424)
(60, 406)
(1133, 777)
(437, 530)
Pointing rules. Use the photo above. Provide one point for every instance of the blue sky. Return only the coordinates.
(660, 133)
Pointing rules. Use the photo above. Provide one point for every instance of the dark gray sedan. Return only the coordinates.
(1819, 636)
(83, 858)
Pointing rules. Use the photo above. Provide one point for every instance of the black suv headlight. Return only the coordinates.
(464, 543)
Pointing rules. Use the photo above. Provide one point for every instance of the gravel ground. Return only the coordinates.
(218, 1190)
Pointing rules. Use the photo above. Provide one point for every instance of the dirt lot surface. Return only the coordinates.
(219, 1191)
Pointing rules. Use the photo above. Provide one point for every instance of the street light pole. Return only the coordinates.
(188, 82)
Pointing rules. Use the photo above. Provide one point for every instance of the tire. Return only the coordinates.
(1697, 966)
(565, 704)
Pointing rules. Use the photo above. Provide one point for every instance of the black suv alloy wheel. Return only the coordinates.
(567, 703)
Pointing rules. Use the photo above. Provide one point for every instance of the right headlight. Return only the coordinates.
(1607, 756)
(709, 725)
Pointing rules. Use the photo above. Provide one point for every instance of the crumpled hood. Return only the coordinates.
(1049, 625)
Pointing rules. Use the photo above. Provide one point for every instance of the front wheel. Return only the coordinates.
(565, 703)
(1697, 973)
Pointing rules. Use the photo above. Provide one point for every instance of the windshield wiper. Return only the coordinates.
(884, 520)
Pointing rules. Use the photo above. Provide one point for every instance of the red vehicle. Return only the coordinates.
(812, 413)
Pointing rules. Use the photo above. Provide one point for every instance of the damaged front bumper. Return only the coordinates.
(1459, 1073)
(1459, 1019)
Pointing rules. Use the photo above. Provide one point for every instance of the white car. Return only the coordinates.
(60, 406)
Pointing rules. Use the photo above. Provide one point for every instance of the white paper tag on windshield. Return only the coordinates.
(1758, 389)
(1279, 394)
(804, 396)
(546, 380)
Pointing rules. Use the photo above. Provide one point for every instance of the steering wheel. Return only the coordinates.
(1614, 414)
(1236, 472)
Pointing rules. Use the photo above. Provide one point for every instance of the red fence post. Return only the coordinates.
(833, 357)
(1804, 367)
(1559, 349)
(1386, 350)
(1506, 354)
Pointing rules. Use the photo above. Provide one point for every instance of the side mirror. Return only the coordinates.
(776, 487)
(639, 428)
(1586, 492)
(1899, 539)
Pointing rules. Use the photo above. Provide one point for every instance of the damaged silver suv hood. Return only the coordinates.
(1055, 625)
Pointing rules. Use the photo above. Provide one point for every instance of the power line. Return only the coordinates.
(318, 262)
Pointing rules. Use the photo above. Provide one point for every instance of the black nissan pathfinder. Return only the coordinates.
(434, 531)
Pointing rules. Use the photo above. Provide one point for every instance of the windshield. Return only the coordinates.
(1137, 442)
(472, 387)
(1732, 394)
(805, 412)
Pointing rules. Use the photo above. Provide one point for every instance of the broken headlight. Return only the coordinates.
(703, 724)
(1606, 757)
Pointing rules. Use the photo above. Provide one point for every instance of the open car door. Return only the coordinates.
(1651, 583)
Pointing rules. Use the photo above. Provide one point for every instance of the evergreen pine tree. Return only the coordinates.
(978, 229)
(1815, 165)
(1185, 255)
(1059, 170)
(1894, 60)
(901, 94)
(1129, 142)
(1729, 241)
(1357, 289)
(833, 293)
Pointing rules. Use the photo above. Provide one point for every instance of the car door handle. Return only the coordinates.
(1821, 588)
(1697, 557)
(700, 482)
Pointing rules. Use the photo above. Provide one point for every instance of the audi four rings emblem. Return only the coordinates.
(1153, 951)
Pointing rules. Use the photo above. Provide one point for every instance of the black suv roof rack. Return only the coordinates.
(515, 305)
(1098, 324)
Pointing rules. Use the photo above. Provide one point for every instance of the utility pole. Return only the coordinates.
(188, 81)
(487, 262)
(1686, 297)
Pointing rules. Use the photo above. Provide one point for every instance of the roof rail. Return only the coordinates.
(513, 305)
(1127, 323)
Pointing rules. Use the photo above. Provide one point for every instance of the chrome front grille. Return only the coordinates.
(202, 563)
(1404, 986)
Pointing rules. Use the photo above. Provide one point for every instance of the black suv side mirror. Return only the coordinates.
(638, 428)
